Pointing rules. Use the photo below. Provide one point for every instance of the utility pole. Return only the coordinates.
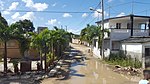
(102, 7)
(132, 7)
(66, 28)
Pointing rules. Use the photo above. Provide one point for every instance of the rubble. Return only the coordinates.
(127, 70)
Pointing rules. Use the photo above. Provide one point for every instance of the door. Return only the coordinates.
(147, 57)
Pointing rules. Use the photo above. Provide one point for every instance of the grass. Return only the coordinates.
(123, 60)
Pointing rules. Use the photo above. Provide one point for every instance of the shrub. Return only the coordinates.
(121, 59)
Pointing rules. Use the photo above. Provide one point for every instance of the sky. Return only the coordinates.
(41, 12)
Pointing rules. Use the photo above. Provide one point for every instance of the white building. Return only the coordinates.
(122, 30)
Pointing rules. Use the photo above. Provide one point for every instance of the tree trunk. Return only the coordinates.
(41, 60)
(5, 58)
(45, 58)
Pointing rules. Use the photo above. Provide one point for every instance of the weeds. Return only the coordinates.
(121, 59)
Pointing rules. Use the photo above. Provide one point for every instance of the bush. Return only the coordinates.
(121, 59)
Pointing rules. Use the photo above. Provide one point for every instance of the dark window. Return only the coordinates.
(94, 42)
(115, 45)
(147, 51)
(128, 26)
(118, 25)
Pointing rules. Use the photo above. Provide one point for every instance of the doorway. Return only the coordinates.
(147, 57)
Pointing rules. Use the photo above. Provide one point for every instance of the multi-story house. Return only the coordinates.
(130, 34)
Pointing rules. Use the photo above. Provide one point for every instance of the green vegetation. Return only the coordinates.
(123, 60)
(90, 32)
(49, 43)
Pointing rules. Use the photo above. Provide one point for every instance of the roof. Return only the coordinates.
(136, 40)
(123, 17)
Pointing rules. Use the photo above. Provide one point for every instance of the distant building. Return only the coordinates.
(39, 29)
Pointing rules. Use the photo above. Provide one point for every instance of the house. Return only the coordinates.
(75, 39)
(122, 30)
(39, 29)
(137, 47)
(13, 50)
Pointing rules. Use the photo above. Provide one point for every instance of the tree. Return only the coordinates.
(88, 33)
(20, 29)
(4, 37)
(23, 27)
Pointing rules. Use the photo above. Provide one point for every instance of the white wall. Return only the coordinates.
(133, 49)
(96, 51)
(76, 41)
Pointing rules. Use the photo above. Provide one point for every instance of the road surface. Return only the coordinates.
(91, 71)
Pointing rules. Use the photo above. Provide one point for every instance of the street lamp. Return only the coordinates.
(102, 12)
(92, 9)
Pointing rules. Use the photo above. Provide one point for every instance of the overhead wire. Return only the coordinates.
(48, 11)
(86, 19)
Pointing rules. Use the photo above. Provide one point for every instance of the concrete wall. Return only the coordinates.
(96, 50)
(135, 50)
(76, 41)
(13, 50)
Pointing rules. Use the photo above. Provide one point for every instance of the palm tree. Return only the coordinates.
(90, 32)
(4, 37)
(36, 43)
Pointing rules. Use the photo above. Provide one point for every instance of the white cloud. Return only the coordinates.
(54, 4)
(13, 6)
(29, 3)
(67, 15)
(75, 31)
(84, 15)
(110, 0)
(97, 14)
(1, 5)
(121, 14)
(6, 12)
(37, 6)
(28, 15)
(52, 21)
(59, 22)
(40, 6)
(15, 16)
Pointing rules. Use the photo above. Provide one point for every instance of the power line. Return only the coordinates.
(48, 11)
(86, 19)
(92, 20)
(141, 2)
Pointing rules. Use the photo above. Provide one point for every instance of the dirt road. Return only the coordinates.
(91, 71)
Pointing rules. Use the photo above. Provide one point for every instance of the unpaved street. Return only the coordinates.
(91, 71)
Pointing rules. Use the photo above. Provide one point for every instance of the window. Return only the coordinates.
(147, 51)
(115, 45)
(118, 25)
(128, 26)
(143, 26)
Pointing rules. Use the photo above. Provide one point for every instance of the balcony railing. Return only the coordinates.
(119, 34)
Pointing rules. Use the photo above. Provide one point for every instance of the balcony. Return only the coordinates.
(120, 34)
